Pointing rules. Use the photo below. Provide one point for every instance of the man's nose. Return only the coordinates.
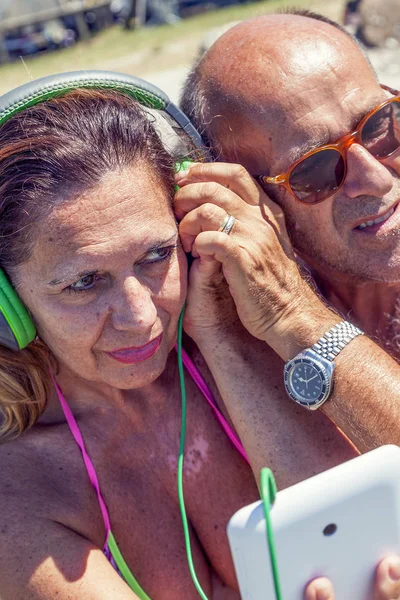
(133, 307)
(365, 175)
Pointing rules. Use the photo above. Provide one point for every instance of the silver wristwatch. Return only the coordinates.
(309, 375)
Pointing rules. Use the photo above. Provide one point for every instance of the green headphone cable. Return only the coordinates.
(180, 464)
(267, 487)
(268, 494)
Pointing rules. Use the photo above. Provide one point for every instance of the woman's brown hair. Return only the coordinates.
(50, 154)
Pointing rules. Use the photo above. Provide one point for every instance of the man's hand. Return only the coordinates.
(256, 259)
(387, 583)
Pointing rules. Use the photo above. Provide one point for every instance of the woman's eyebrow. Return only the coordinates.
(76, 276)
(156, 245)
(67, 278)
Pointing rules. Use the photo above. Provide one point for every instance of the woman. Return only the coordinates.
(89, 239)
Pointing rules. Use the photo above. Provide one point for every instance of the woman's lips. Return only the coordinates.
(133, 355)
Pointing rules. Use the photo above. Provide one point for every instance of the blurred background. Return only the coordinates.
(158, 40)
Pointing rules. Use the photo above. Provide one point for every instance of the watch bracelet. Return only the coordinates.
(334, 340)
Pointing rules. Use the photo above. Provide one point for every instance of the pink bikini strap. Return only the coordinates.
(203, 387)
(73, 425)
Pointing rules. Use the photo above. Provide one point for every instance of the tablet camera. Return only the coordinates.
(330, 529)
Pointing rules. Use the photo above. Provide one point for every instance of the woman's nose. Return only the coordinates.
(365, 176)
(133, 307)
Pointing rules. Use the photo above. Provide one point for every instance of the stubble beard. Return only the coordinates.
(353, 265)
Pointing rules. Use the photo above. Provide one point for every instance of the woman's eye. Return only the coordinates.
(84, 284)
(159, 254)
(89, 282)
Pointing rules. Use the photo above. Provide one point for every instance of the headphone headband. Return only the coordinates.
(54, 86)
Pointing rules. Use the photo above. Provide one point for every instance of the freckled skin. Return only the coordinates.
(129, 415)
(197, 453)
(196, 457)
(94, 233)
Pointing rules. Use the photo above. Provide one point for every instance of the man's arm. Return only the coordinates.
(278, 307)
(365, 402)
(275, 431)
(296, 443)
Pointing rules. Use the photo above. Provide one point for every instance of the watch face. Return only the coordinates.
(306, 381)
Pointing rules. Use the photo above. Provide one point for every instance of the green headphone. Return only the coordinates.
(17, 329)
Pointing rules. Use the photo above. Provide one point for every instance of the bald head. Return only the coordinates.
(259, 69)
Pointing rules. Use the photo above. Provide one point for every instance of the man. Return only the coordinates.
(267, 93)
(274, 88)
(264, 105)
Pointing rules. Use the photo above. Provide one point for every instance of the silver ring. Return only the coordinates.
(227, 225)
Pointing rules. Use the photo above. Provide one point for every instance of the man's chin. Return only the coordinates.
(360, 274)
(384, 269)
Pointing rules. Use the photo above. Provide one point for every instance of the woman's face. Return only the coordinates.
(107, 280)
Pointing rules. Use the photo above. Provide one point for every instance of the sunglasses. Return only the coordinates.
(319, 174)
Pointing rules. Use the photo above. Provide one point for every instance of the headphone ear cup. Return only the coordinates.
(17, 329)
(182, 166)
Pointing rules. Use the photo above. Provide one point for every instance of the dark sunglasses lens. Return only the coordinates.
(317, 176)
(381, 132)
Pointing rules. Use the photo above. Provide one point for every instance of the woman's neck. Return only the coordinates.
(86, 398)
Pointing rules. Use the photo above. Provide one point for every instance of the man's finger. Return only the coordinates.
(387, 580)
(194, 195)
(320, 589)
(207, 217)
(217, 245)
(241, 186)
(231, 176)
(226, 250)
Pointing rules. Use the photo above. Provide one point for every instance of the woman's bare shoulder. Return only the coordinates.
(42, 473)
(51, 532)
(47, 544)
(34, 455)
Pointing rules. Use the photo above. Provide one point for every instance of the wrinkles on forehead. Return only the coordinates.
(277, 69)
(265, 55)
(121, 219)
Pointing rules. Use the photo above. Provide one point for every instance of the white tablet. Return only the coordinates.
(338, 524)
